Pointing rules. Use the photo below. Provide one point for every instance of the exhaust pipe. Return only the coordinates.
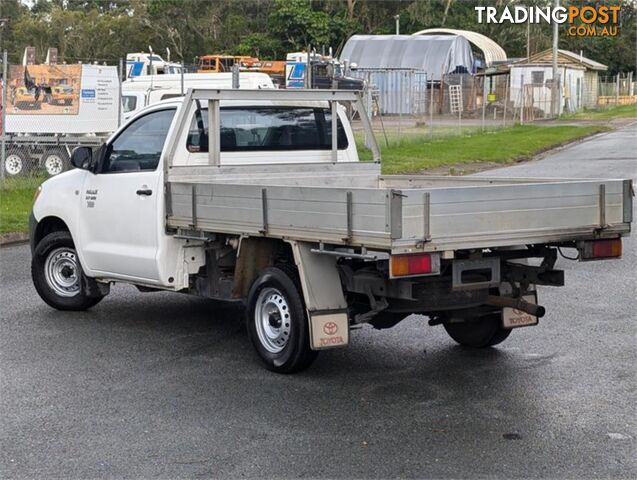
(517, 303)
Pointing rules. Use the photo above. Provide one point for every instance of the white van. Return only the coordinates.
(138, 92)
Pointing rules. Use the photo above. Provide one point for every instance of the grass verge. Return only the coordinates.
(620, 111)
(16, 199)
(418, 152)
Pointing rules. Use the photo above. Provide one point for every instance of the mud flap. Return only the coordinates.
(328, 330)
(512, 318)
(323, 295)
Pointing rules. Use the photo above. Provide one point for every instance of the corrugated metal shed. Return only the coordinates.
(491, 50)
(437, 55)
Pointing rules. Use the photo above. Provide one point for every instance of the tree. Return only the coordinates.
(262, 46)
(105, 30)
(299, 24)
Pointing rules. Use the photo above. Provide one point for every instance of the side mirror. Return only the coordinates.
(81, 157)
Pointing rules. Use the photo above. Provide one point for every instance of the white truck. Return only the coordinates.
(258, 196)
(43, 127)
(139, 92)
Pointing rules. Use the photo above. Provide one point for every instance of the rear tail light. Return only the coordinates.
(416, 264)
(610, 248)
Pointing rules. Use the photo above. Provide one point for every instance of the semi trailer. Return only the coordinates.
(52, 109)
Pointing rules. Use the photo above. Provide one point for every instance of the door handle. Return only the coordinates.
(146, 192)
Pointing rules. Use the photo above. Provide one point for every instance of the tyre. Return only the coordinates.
(482, 332)
(55, 162)
(15, 163)
(277, 322)
(57, 274)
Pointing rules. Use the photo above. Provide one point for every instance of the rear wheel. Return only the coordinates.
(482, 332)
(277, 322)
(57, 274)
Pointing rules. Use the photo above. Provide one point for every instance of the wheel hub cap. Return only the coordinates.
(62, 273)
(272, 320)
(13, 164)
(53, 165)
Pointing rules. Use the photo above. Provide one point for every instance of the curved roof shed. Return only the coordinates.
(435, 54)
(491, 50)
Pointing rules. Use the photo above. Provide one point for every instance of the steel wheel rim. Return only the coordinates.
(62, 272)
(13, 164)
(53, 164)
(272, 320)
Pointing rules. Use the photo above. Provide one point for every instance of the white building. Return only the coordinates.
(578, 77)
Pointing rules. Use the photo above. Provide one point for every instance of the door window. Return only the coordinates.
(139, 146)
(129, 103)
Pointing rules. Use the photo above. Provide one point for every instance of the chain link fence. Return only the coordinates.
(617, 90)
(404, 102)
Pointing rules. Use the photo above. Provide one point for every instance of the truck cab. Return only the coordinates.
(141, 63)
(326, 72)
(129, 174)
(139, 92)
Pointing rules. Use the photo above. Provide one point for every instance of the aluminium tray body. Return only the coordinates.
(352, 204)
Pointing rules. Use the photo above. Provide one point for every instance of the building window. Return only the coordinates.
(537, 77)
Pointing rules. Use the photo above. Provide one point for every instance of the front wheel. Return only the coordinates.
(57, 274)
(277, 322)
(55, 162)
(15, 163)
(482, 332)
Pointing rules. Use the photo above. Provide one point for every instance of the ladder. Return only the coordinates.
(455, 99)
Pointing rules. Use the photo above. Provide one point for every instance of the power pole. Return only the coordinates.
(528, 40)
(3, 113)
(397, 18)
(555, 109)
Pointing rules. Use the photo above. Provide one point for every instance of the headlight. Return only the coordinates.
(37, 193)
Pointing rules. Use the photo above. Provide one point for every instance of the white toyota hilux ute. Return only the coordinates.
(258, 196)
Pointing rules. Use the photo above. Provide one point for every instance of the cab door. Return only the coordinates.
(121, 212)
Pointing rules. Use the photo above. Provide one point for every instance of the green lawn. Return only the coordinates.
(418, 152)
(621, 111)
(16, 199)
